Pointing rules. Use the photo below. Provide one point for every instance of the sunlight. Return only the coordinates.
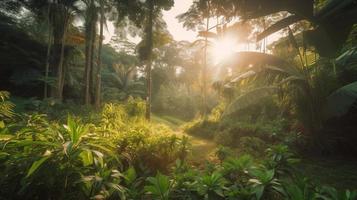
(223, 49)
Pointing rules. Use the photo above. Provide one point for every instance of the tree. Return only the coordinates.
(152, 11)
(62, 16)
(91, 16)
(99, 60)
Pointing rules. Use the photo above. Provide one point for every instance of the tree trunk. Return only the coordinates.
(87, 70)
(92, 64)
(99, 60)
(48, 56)
(60, 74)
(149, 46)
(89, 53)
(59, 29)
(204, 70)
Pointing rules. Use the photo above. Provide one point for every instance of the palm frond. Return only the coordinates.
(250, 98)
(278, 26)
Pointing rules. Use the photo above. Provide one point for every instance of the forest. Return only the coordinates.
(178, 99)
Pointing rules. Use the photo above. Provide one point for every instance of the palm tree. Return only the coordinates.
(152, 10)
(99, 61)
(91, 16)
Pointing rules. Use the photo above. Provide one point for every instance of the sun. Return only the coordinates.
(223, 49)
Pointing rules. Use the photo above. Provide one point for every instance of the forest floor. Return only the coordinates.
(201, 149)
(333, 171)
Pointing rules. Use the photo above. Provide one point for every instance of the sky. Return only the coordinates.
(175, 28)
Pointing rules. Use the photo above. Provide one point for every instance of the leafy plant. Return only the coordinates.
(159, 187)
(6, 107)
(211, 186)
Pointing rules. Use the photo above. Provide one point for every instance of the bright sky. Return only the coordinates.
(175, 28)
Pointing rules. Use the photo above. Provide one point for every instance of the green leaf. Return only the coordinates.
(87, 157)
(130, 175)
(159, 186)
(75, 130)
(35, 165)
(259, 191)
(340, 101)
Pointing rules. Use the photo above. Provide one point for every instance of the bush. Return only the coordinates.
(252, 145)
(202, 128)
(150, 146)
(228, 131)
(41, 159)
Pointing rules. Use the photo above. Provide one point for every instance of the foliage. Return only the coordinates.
(159, 187)
(340, 101)
(241, 133)
(6, 107)
(176, 100)
(43, 159)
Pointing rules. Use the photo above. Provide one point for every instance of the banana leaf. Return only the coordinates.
(278, 26)
(247, 59)
(342, 100)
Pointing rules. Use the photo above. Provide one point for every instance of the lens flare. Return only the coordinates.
(223, 49)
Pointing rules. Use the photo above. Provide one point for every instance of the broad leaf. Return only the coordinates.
(250, 98)
(278, 26)
(36, 165)
(341, 101)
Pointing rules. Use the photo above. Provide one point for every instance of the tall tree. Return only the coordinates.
(59, 15)
(99, 60)
(62, 16)
(91, 16)
(152, 12)
(49, 44)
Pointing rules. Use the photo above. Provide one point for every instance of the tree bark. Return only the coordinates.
(92, 64)
(204, 70)
(87, 70)
(60, 74)
(60, 25)
(149, 46)
(99, 60)
(48, 55)
(89, 53)
(88, 56)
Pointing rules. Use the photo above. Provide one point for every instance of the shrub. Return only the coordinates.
(225, 137)
(252, 145)
(149, 146)
(43, 160)
(202, 128)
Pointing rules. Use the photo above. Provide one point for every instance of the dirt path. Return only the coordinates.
(201, 149)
